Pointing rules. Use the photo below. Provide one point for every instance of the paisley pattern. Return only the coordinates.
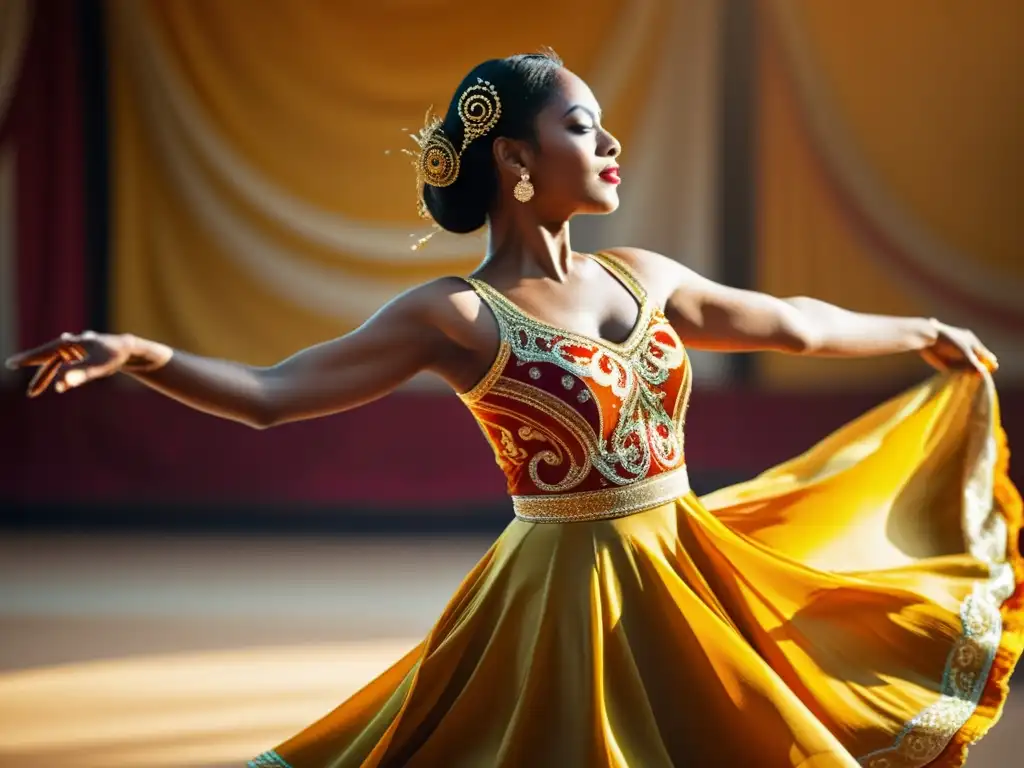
(860, 636)
(595, 413)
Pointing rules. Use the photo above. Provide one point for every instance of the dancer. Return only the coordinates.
(858, 605)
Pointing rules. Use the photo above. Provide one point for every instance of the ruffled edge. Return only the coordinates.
(997, 687)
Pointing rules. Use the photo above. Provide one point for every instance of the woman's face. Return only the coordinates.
(575, 170)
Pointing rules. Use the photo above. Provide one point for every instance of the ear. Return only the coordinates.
(512, 156)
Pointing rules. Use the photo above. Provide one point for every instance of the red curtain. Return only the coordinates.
(44, 126)
(110, 443)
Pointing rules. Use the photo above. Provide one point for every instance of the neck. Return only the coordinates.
(526, 247)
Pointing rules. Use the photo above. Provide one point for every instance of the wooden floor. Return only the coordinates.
(152, 652)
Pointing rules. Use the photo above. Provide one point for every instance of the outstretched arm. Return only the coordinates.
(400, 340)
(712, 316)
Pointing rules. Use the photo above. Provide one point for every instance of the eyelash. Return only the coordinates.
(581, 128)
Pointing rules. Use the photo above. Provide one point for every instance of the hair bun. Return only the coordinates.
(500, 97)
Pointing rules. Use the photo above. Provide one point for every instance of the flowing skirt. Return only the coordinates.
(862, 604)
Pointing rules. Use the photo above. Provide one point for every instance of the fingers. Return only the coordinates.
(42, 354)
(77, 374)
(983, 353)
(988, 360)
(37, 356)
(69, 361)
(44, 376)
(49, 370)
(979, 355)
(74, 353)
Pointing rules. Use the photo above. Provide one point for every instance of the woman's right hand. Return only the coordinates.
(75, 359)
(958, 348)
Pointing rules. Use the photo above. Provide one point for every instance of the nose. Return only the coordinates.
(612, 148)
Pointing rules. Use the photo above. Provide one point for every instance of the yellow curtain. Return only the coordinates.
(888, 165)
(260, 200)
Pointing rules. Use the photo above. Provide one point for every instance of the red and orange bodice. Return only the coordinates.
(584, 428)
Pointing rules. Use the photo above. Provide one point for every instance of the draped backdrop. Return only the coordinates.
(889, 165)
(261, 201)
(42, 269)
(225, 176)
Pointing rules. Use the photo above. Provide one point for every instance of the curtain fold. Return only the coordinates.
(261, 201)
(888, 154)
(41, 185)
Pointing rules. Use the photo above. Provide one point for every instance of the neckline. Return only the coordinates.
(626, 346)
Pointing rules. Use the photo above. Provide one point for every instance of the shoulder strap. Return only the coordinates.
(496, 302)
(619, 268)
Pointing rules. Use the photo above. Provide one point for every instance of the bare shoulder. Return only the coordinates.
(659, 274)
(446, 306)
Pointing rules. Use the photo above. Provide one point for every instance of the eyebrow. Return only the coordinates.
(595, 117)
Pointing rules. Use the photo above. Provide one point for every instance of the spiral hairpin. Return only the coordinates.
(479, 110)
(437, 162)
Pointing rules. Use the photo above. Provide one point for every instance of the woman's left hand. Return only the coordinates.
(958, 348)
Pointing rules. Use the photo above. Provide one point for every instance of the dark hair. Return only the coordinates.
(525, 84)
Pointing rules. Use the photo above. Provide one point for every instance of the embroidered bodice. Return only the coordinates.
(566, 413)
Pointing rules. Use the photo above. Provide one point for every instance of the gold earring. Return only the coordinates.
(524, 189)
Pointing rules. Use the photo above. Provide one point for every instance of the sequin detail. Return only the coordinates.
(604, 503)
(969, 662)
(645, 438)
(268, 760)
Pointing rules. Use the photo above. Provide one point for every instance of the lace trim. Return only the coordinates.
(268, 760)
(970, 661)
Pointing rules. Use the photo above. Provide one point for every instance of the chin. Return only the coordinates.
(604, 204)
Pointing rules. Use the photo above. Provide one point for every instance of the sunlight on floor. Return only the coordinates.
(202, 652)
(180, 709)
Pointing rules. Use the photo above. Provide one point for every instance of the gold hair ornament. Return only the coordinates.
(438, 163)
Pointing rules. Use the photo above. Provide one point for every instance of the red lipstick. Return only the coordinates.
(611, 175)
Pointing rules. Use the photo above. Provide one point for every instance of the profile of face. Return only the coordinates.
(573, 165)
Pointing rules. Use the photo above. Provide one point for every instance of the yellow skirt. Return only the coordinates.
(861, 604)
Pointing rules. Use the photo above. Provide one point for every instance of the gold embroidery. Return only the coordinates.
(923, 738)
(605, 503)
(624, 273)
(529, 433)
(591, 451)
(644, 432)
(511, 451)
(565, 416)
(969, 662)
(493, 374)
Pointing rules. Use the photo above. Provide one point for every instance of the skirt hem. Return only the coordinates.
(997, 688)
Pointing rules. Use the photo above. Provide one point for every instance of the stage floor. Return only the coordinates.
(149, 651)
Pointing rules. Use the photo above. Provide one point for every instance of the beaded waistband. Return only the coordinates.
(604, 503)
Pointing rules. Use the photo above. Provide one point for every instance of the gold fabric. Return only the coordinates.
(888, 158)
(861, 604)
